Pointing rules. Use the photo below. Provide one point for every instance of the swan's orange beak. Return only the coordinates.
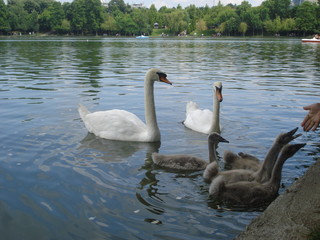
(165, 80)
(219, 94)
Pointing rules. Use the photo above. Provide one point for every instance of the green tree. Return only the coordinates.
(243, 27)
(249, 15)
(162, 16)
(78, 16)
(67, 9)
(176, 21)
(280, 8)
(254, 20)
(307, 19)
(17, 15)
(242, 9)
(125, 24)
(64, 28)
(51, 18)
(109, 24)
(288, 25)
(89, 17)
(211, 16)
(273, 26)
(31, 5)
(118, 5)
(201, 25)
(153, 16)
(43, 4)
(86, 16)
(4, 15)
(32, 22)
(195, 16)
(94, 16)
(228, 20)
(140, 18)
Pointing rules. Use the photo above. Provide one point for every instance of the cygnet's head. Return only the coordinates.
(217, 86)
(216, 138)
(285, 138)
(155, 74)
(290, 149)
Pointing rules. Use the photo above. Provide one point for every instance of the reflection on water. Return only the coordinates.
(113, 151)
(59, 182)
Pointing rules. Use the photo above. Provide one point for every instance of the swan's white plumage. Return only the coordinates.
(114, 124)
(197, 119)
(122, 125)
(204, 120)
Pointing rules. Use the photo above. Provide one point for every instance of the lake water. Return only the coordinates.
(59, 182)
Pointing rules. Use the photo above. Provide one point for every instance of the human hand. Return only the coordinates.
(312, 119)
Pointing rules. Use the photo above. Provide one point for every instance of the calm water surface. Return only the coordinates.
(59, 182)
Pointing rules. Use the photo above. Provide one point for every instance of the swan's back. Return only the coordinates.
(114, 124)
(241, 161)
(246, 194)
(241, 193)
(205, 121)
(237, 175)
(179, 162)
(210, 172)
(83, 111)
(197, 119)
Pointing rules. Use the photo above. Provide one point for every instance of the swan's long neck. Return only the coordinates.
(275, 179)
(212, 151)
(150, 111)
(265, 171)
(215, 125)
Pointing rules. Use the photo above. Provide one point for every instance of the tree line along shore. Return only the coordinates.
(91, 17)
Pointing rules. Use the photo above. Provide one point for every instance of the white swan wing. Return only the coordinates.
(197, 119)
(116, 125)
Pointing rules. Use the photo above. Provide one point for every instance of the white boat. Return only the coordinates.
(312, 40)
(142, 37)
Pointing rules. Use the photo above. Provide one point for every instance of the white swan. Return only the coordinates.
(205, 121)
(124, 126)
(188, 162)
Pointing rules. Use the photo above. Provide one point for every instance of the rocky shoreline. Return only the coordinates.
(293, 215)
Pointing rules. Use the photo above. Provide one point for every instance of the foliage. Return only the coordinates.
(109, 25)
(201, 25)
(277, 8)
(86, 16)
(91, 17)
(4, 14)
(177, 21)
(307, 18)
(243, 27)
(51, 18)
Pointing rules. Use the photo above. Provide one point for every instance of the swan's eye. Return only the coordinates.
(161, 74)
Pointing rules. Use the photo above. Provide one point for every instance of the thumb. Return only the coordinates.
(307, 107)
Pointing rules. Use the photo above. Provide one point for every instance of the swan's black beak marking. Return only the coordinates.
(163, 78)
(219, 94)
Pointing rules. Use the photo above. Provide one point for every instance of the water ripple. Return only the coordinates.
(60, 182)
